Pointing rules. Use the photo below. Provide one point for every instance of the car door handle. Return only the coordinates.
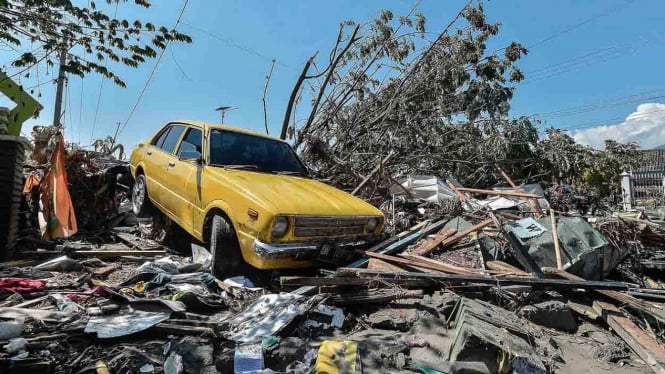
(171, 164)
(149, 153)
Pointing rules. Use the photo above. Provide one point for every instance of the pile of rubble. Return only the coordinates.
(460, 283)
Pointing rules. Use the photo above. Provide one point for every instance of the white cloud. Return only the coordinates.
(646, 126)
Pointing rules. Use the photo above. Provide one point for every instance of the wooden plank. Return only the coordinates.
(555, 238)
(432, 243)
(639, 341)
(460, 235)
(377, 264)
(457, 192)
(440, 266)
(502, 266)
(618, 296)
(514, 186)
(499, 193)
(433, 265)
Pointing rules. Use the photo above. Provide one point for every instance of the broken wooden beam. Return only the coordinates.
(416, 262)
(431, 243)
(555, 238)
(516, 189)
(499, 193)
(502, 266)
(460, 235)
(440, 266)
(365, 277)
(646, 347)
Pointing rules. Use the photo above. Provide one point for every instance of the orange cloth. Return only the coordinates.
(57, 218)
(31, 182)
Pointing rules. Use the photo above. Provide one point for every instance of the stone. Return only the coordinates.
(553, 314)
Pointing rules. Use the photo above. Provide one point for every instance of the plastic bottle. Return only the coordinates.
(64, 303)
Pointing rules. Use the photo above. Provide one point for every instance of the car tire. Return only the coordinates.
(141, 205)
(226, 258)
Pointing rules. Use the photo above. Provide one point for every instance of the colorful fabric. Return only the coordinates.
(57, 218)
(31, 182)
(20, 285)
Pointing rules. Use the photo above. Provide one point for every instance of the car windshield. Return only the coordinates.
(233, 149)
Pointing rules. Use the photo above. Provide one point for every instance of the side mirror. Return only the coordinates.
(187, 155)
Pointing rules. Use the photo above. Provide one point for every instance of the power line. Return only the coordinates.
(233, 44)
(94, 118)
(578, 25)
(154, 69)
(588, 59)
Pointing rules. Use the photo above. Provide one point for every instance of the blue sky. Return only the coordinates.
(584, 52)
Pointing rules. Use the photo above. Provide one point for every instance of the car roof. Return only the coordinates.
(206, 126)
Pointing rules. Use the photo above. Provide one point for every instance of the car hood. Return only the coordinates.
(285, 194)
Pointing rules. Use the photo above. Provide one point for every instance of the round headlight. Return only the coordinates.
(279, 227)
(372, 224)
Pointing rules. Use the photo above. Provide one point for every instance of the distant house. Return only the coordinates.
(648, 180)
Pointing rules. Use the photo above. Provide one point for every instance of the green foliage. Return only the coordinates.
(565, 162)
(91, 37)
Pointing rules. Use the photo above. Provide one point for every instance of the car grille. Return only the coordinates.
(329, 226)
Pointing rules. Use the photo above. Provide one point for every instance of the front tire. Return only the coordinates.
(226, 258)
(141, 205)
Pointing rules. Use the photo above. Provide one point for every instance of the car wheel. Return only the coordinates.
(226, 258)
(141, 205)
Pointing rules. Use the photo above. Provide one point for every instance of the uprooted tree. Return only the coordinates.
(438, 101)
(90, 36)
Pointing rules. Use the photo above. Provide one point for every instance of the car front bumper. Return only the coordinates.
(324, 250)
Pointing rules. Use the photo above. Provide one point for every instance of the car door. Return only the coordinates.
(162, 159)
(184, 180)
(148, 162)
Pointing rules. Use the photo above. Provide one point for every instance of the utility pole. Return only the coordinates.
(57, 112)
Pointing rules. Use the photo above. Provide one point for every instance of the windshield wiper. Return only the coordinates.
(289, 173)
(242, 167)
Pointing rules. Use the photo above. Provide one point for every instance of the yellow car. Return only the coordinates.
(247, 196)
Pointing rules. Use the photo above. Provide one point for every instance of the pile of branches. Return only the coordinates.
(438, 101)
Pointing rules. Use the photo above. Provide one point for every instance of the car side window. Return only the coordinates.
(171, 139)
(159, 140)
(193, 140)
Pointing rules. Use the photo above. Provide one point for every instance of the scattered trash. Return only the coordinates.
(11, 327)
(248, 358)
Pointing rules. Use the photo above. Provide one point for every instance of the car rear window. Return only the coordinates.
(171, 139)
